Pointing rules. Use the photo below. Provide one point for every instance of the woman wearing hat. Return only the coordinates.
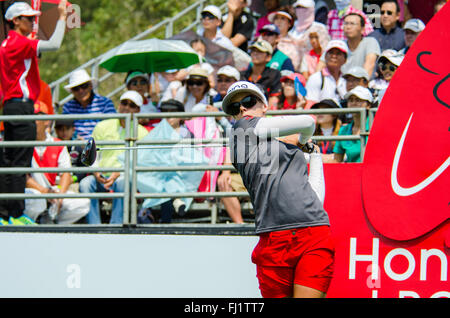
(387, 64)
(350, 150)
(196, 89)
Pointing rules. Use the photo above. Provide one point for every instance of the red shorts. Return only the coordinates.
(303, 256)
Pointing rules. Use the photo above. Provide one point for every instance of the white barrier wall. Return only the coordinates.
(121, 265)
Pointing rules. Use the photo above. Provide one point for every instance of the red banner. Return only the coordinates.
(368, 264)
(390, 215)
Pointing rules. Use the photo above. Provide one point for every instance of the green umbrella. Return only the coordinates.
(153, 55)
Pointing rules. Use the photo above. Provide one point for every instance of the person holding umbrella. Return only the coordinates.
(20, 80)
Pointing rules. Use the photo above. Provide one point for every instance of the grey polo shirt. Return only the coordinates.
(276, 177)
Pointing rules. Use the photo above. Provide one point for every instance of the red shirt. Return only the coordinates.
(19, 72)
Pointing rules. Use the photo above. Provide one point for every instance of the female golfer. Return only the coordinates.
(295, 254)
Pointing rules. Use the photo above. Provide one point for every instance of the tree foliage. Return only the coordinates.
(106, 24)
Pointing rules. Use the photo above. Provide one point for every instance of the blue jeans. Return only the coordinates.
(90, 185)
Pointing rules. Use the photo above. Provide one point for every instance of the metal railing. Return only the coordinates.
(131, 194)
(93, 64)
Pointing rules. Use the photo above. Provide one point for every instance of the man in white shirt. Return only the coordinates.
(329, 83)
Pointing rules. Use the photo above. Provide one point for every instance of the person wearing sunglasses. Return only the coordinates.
(85, 101)
(290, 220)
(211, 22)
(195, 90)
(390, 35)
(140, 82)
(387, 65)
(21, 84)
(111, 130)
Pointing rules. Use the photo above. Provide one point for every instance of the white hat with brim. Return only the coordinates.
(362, 93)
(77, 78)
(18, 9)
(214, 10)
(229, 71)
(357, 72)
(134, 96)
(241, 87)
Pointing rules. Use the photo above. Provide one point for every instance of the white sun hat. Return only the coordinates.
(241, 87)
(362, 93)
(77, 78)
(134, 96)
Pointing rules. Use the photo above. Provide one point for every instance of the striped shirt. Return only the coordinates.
(336, 23)
(98, 105)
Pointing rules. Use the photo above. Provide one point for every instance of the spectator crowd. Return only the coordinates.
(302, 55)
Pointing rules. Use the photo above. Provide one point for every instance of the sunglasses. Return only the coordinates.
(269, 34)
(82, 86)
(209, 16)
(247, 102)
(138, 82)
(195, 83)
(29, 18)
(128, 103)
(384, 67)
(387, 12)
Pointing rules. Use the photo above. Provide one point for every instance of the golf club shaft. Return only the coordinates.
(159, 147)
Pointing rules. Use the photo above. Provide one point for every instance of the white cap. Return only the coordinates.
(77, 78)
(214, 10)
(229, 71)
(242, 87)
(392, 56)
(272, 15)
(358, 72)
(362, 93)
(304, 3)
(415, 25)
(18, 9)
(339, 44)
(134, 96)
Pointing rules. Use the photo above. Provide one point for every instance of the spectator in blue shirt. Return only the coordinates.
(85, 102)
(390, 35)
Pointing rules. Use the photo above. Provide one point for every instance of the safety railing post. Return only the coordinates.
(134, 209)
(126, 199)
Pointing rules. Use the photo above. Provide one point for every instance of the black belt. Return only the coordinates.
(19, 100)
